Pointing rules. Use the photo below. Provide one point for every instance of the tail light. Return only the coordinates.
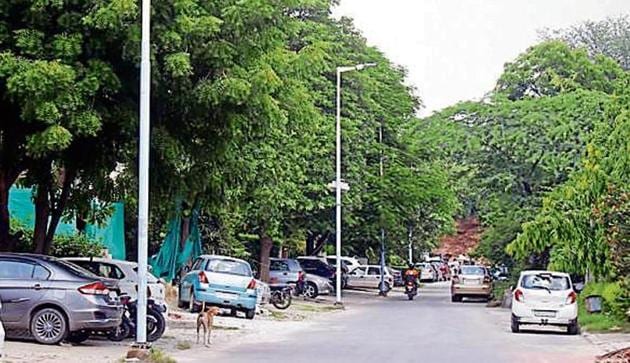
(95, 288)
(518, 295)
(202, 278)
(487, 280)
(572, 298)
(251, 285)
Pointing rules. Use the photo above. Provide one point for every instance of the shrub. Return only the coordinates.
(612, 298)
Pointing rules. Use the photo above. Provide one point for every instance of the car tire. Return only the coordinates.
(310, 290)
(78, 337)
(573, 329)
(250, 314)
(49, 326)
(515, 325)
(193, 305)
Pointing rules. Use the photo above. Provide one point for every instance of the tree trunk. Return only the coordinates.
(5, 219)
(266, 243)
(42, 211)
(184, 231)
(60, 206)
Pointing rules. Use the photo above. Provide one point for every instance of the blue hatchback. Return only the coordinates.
(220, 281)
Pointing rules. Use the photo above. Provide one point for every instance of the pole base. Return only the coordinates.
(338, 304)
(382, 293)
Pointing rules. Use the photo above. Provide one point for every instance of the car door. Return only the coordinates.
(373, 277)
(22, 285)
(356, 277)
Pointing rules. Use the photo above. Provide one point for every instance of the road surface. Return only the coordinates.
(393, 329)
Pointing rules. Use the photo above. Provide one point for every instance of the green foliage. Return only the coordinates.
(613, 315)
(78, 245)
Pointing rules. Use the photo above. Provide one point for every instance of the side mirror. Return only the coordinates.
(578, 287)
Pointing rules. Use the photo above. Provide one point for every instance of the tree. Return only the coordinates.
(609, 37)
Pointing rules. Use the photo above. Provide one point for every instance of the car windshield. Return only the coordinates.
(473, 270)
(546, 281)
(229, 267)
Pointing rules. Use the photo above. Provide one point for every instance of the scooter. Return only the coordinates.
(411, 289)
(156, 324)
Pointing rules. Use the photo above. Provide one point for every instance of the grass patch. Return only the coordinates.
(158, 356)
(183, 345)
(499, 289)
(314, 308)
(278, 315)
(601, 322)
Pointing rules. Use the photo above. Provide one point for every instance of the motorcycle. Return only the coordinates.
(411, 289)
(281, 297)
(156, 324)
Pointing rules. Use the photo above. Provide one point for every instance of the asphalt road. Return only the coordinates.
(428, 329)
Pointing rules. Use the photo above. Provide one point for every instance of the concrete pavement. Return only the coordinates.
(393, 329)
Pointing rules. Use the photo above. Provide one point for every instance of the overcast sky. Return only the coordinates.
(455, 49)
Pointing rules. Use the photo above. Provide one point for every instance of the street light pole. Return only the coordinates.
(340, 70)
(143, 170)
(382, 291)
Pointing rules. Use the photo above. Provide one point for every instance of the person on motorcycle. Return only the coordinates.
(411, 274)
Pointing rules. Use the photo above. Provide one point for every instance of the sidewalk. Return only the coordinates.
(608, 342)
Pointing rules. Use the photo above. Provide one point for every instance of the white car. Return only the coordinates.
(1, 335)
(349, 262)
(125, 272)
(544, 298)
(369, 277)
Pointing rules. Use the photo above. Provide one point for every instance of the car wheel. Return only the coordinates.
(77, 337)
(573, 329)
(515, 326)
(49, 326)
(249, 314)
(310, 290)
(193, 305)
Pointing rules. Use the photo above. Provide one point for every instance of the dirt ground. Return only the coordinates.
(179, 340)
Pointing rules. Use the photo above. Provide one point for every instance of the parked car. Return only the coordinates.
(471, 281)
(317, 285)
(397, 274)
(370, 277)
(1, 334)
(221, 281)
(350, 263)
(427, 271)
(51, 299)
(285, 271)
(126, 273)
(318, 266)
(545, 298)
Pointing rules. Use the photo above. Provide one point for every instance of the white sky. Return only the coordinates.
(455, 49)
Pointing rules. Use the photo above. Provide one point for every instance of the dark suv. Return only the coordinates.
(318, 266)
(52, 300)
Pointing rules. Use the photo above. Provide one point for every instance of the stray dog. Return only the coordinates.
(205, 319)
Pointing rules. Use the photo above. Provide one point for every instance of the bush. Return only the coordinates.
(78, 245)
(612, 298)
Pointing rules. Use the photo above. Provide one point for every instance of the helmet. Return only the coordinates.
(410, 265)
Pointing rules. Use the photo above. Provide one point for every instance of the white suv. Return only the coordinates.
(544, 298)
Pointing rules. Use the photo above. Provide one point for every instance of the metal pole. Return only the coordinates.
(382, 290)
(143, 199)
(338, 192)
(410, 244)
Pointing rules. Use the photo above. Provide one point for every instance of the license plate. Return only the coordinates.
(471, 282)
(226, 295)
(545, 314)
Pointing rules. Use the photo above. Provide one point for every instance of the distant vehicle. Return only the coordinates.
(427, 271)
(220, 281)
(370, 277)
(444, 273)
(318, 266)
(54, 300)
(545, 298)
(348, 262)
(397, 274)
(126, 273)
(471, 281)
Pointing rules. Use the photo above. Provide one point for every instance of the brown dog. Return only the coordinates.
(205, 319)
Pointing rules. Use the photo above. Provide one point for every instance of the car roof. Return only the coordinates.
(223, 258)
(536, 272)
(101, 259)
(30, 256)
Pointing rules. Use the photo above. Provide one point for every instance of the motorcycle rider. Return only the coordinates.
(411, 275)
